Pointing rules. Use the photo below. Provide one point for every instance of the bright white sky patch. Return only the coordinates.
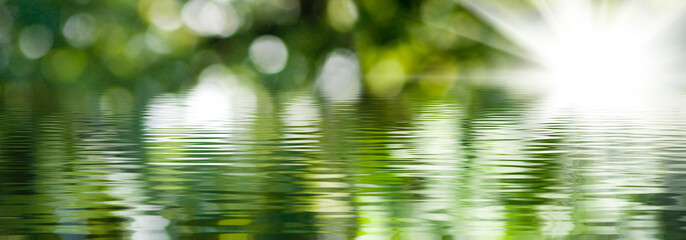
(211, 18)
(269, 54)
(592, 51)
(340, 77)
(214, 104)
(218, 98)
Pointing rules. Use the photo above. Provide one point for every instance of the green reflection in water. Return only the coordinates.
(297, 166)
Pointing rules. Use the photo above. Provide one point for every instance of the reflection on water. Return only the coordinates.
(219, 162)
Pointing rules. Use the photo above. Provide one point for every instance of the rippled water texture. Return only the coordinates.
(231, 165)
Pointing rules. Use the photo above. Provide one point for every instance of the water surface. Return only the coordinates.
(234, 165)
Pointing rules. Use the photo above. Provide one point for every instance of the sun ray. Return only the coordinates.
(592, 49)
(509, 49)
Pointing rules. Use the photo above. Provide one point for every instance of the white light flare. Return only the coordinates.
(592, 53)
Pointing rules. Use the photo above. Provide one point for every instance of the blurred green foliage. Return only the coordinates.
(153, 46)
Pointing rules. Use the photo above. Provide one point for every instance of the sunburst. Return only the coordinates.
(592, 50)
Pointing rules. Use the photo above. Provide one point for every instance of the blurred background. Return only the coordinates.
(343, 48)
